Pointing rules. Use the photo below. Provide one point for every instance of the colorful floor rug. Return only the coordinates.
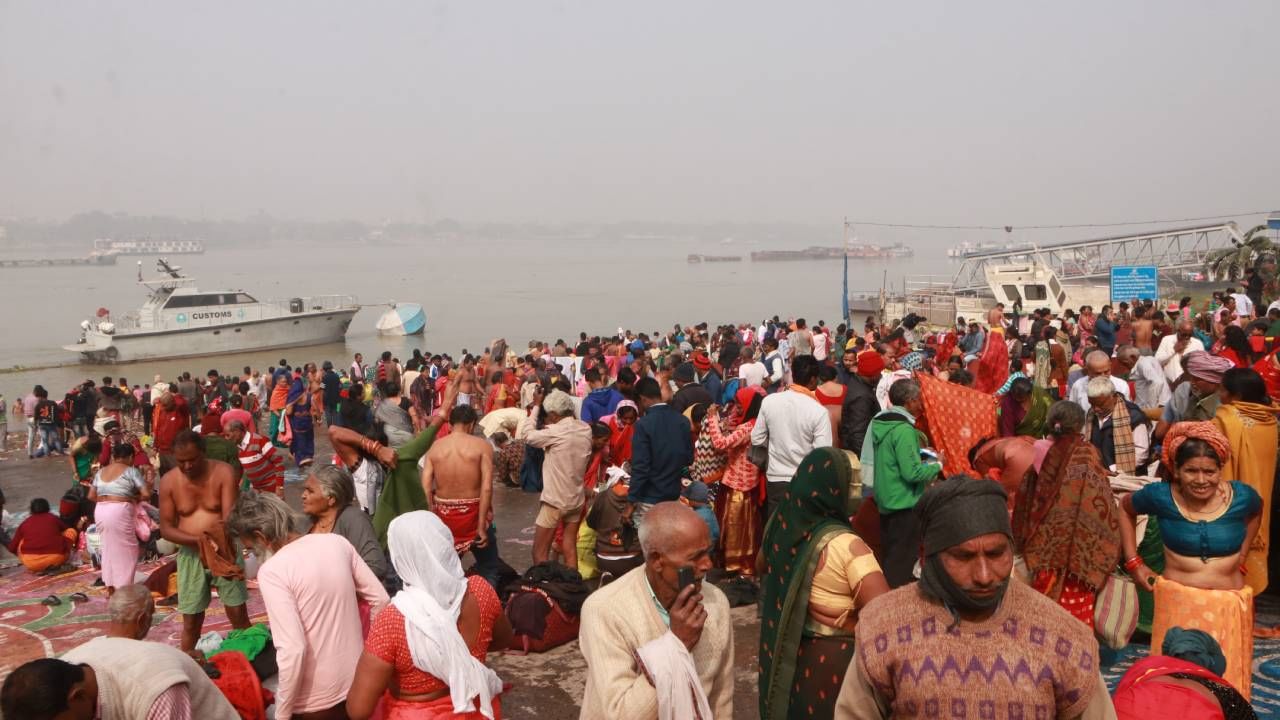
(30, 629)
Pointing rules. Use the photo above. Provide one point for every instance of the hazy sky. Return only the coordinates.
(968, 112)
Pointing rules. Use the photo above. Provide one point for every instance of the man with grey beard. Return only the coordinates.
(311, 585)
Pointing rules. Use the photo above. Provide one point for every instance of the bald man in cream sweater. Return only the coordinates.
(653, 645)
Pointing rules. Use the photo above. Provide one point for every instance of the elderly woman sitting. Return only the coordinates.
(42, 542)
(328, 499)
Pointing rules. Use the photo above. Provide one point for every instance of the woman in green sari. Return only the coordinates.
(816, 575)
(1023, 409)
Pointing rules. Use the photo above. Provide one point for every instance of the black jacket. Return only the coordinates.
(661, 448)
(860, 405)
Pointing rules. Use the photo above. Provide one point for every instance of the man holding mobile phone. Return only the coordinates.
(658, 634)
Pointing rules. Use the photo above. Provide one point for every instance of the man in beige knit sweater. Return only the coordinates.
(654, 649)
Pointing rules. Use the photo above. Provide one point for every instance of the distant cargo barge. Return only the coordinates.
(91, 259)
(693, 258)
(827, 253)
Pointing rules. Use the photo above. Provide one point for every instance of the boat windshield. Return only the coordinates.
(206, 299)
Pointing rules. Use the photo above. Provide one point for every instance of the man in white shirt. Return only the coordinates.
(1151, 389)
(752, 372)
(1096, 363)
(791, 424)
(1173, 348)
(774, 364)
(1244, 305)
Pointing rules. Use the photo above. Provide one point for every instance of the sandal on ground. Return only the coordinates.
(78, 597)
(51, 601)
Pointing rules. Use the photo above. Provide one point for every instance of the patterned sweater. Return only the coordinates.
(1031, 659)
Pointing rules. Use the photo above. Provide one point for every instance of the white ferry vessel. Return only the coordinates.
(179, 320)
(148, 246)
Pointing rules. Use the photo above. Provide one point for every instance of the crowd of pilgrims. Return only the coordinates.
(968, 521)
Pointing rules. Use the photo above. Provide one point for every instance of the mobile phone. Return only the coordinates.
(684, 578)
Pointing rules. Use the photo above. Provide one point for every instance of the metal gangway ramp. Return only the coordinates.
(1179, 248)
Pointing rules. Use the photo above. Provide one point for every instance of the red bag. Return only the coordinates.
(241, 686)
(561, 627)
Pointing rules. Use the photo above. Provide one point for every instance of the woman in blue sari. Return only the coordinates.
(298, 408)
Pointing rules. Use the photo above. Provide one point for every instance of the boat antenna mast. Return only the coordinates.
(173, 270)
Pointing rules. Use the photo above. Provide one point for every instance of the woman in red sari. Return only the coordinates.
(1269, 368)
(1065, 521)
(622, 424)
(993, 364)
(739, 502)
(1184, 681)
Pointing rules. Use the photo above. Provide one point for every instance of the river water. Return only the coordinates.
(472, 291)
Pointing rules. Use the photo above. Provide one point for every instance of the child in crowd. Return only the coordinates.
(697, 496)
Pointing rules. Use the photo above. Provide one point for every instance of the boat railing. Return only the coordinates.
(312, 303)
(128, 321)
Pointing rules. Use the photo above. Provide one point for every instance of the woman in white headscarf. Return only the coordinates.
(424, 657)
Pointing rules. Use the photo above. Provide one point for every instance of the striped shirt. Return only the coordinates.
(263, 466)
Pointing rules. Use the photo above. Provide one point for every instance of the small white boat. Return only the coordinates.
(403, 319)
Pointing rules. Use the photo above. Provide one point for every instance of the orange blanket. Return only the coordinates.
(958, 417)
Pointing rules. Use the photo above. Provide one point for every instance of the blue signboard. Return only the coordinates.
(1130, 282)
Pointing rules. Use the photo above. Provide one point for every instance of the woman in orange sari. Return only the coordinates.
(1247, 417)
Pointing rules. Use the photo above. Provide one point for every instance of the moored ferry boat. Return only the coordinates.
(180, 320)
(149, 246)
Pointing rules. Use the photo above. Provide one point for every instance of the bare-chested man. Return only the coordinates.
(995, 316)
(457, 478)
(195, 497)
(1143, 330)
(469, 392)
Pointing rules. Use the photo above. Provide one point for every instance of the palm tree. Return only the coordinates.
(1230, 263)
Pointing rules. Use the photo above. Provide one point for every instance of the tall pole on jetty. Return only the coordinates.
(844, 295)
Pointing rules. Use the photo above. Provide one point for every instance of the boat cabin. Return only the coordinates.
(1032, 286)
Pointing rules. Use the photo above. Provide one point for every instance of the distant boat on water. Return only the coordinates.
(969, 249)
(860, 251)
(149, 246)
(403, 319)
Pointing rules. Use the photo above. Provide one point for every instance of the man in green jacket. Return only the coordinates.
(901, 476)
